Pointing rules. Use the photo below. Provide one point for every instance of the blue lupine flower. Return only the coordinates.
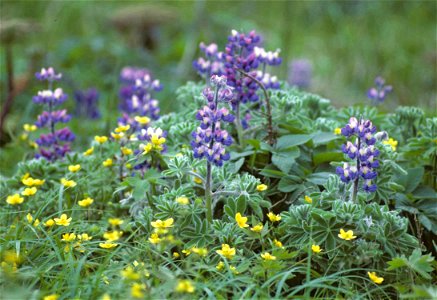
(87, 103)
(377, 94)
(48, 74)
(300, 73)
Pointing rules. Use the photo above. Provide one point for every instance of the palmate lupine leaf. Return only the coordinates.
(417, 262)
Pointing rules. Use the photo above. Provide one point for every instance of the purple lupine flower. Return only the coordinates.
(213, 64)
(209, 139)
(300, 73)
(130, 74)
(378, 93)
(56, 143)
(87, 103)
(363, 151)
(48, 74)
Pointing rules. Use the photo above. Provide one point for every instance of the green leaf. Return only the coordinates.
(291, 140)
(421, 264)
(289, 183)
(324, 138)
(320, 178)
(285, 159)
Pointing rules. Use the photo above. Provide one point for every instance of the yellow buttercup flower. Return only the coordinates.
(137, 289)
(234, 270)
(142, 120)
(155, 239)
(107, 245)
(220, 266)
(51, 297)
(200, 251)
(157, 141)
(29, 127)
(89, 151)
(85, 202)
(226, 251)
(29, 181)
(146, 148)
(162, 224)
(74, 168)
(122, 128)
(273, 218)
(130, 274)
(68, 237)
(278, 243)
(126, 151)
(101, 139)
(241, 221)
(337, 131)
(185, 286)
(64, 220)
(115, 221)
(186, 252)
(84, 237)
(257, 228)
(36, 223)
(197, 180)
(29, 191)
(68, 183)
(346, 235)
(182, 200)
(107, 163)
(268, 256)
(49, 223)
(117, 136)
(176, 255)
(375, 278)
(29, 218)
(112, 236)
(106, 296)
(308, 199)
(261, 187)
(14, 199)
(316, 248)
(393, 143)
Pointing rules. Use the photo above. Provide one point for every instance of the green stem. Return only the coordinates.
(208, 192)
(238, 125)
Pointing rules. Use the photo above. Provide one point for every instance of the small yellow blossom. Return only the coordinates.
(257, 228)
(162, 224)
(84, 237)
(29, 218)
(226, 251)
(126, 151)
(146, 148)
(200, 251)
(176, 255)
(308, 199)
(157, 141)
(155, 239)
(220, 266)
(89, 151)
(393, 143)
(130, 274)
(29, 191)
(14, 199)
(273, 218)
(241, 221)
(268, 256)
(51, 297)
(106, 296)
(337, 131)
(49, 223)
(117, 136)
(68, 237)
(33, 145)
(375, 278)
(29, 127)
(29, 181)
(122, 128)
(112, 236)
(63, 220)
(107, 163)
(261, 187)
(68, 183)
(186, 252)
(234, 270)
(24, 136)
(107, 245)
(73, 168)
(316, 248)
(137, 290)
(115, 221)
(142, 120)
(197, 180)
(185, 286)
(346, 235)
(182, 200)
(101, 139)
(278, 243)
(36, 223)
(85, 202)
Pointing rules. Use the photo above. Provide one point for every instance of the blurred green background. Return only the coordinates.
(349, 43)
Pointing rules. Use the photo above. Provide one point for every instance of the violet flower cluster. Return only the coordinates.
(138, 103)
(363, 151)
(242, 52)
(300, 73)
(87, 103)
(378, 93)
(210, 139)
(56, 143)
